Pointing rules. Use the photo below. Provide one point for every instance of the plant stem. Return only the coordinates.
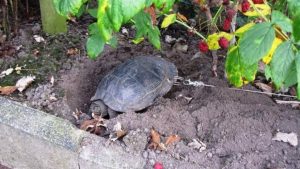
(187, 26)
(266, 19)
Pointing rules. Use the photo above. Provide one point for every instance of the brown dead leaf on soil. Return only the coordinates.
(264, 87)
(7, 90)
(72, 51)
(155, 139)
(172, 139)
(94, 126)
(156, 143)
(118, 133)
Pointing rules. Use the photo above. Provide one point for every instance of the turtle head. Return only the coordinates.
(98, 108)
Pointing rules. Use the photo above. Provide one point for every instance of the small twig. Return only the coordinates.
(287, 102)
(200, 83)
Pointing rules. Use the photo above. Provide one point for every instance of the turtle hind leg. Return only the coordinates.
(98, 108)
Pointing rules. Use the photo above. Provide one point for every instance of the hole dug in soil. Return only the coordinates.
(237, 127)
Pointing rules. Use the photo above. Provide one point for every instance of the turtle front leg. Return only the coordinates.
(98, 108)
(112, 113)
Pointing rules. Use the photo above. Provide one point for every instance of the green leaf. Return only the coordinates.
(237, 72)
(144, 27)
(293, 6)
(93, 12)
(165, 4)
(256, 43)
(296, 26)
(267, 72)
(291, 78)
(232, 67)
(95, 45)
(154, 37)
(168, 20)
(113, 42)
(281, 63)
(297, 60)
(282, 21)
(104, 24)
(68, 7)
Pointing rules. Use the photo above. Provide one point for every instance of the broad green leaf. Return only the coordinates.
(94, 46)
(291, 78)
(121, 11)
(256, 42)
(293, 6)
(113, 42)
(297, 60)
(232, 67)
(296, 26)
(268, 72)
(282, 21)
(95, 43)
(81, 11)
(104, 24)
(165, 4)
(68, 7)
(249, 72)
(239, 32)
(144, 27)
(282, 63)
(154, 37)
(267, 59)
(93, 12)
(237, 72)
(168, 20)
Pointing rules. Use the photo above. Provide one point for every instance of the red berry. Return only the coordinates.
(230, 13)
(203, 47)
(245, 6)
(158, 165)
(225, 2)
(258, 1)
(226, 24)
(223, 42)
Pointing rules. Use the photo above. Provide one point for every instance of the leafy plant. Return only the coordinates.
(271, 36)
(112, 14)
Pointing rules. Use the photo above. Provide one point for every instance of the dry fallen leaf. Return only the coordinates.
(38, 38)
(52, 80)
(290, 138)
(7, 90)
(172, 139)
(181, 17)
(118, 132)
(197, 144)
(264, 87)
(6, 72)
(72, 51)
(24, 82)
(94, 126)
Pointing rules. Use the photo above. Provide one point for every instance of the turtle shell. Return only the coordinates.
(136, 83)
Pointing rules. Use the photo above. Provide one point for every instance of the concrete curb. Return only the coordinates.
(32, 139)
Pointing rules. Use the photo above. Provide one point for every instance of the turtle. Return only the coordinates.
(133, 86)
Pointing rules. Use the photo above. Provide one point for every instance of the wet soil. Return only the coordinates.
(237, 127)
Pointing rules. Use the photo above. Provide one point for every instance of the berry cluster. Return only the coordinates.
(203, 46)
(245, 5)
(229, 15)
